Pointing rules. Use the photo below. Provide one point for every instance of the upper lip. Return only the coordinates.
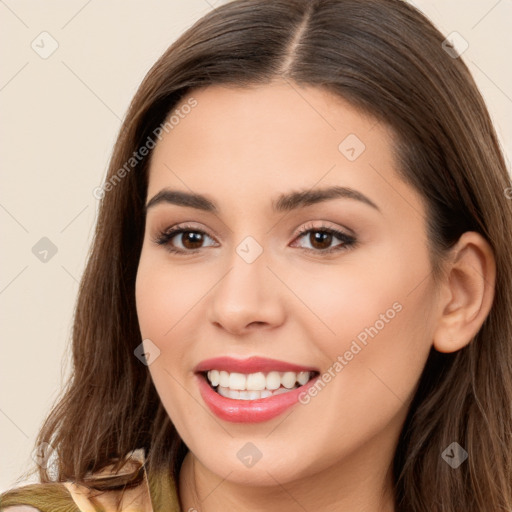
(250, 365)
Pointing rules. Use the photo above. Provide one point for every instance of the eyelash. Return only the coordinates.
(164, 238)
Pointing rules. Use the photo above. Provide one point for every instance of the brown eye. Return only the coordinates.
(184, 239)
(191, 239)
(320, 239)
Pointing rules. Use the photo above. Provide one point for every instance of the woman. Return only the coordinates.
(299, 291)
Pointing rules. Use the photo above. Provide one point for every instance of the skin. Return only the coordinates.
(242, 147)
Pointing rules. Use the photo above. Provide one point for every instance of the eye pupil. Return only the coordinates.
(192, 237)
(320, 237)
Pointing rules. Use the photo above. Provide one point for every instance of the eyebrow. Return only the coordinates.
(284, 203)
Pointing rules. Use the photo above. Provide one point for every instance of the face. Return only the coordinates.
(333, 287)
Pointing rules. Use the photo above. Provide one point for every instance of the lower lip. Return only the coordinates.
(249, 411)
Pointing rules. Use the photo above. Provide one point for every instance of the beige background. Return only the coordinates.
(60, 116)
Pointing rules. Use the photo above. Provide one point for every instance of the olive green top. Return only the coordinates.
(156, 493)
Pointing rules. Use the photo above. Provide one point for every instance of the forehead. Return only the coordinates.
(255, 142)
(274, 116)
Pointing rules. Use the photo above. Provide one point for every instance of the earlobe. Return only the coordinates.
(468, 289)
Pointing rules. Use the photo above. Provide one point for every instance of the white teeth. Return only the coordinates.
(223, 391)
(214, 375)
(273, 380)
(232, 393)
(224, 379)
(288, 380)
(253, 386)
(237, 381)
(250, 395)
(302, 378)
(256, 381)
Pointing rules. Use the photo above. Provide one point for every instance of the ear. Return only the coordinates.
(467, 292)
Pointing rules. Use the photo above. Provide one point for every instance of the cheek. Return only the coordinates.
(350, 295)
(168, 301)
(377, 326)
(344, 303)
(165, 294)
(383, 343)
(374, 365)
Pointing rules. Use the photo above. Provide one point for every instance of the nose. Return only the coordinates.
(248, 296)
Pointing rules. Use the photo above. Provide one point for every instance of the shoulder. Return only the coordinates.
(157, 489)
(72, 497)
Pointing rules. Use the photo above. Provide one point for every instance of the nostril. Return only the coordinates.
(256, 323)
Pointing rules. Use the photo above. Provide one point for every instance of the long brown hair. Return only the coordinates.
(388, 60)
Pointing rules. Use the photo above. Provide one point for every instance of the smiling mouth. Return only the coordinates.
(254, 386)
